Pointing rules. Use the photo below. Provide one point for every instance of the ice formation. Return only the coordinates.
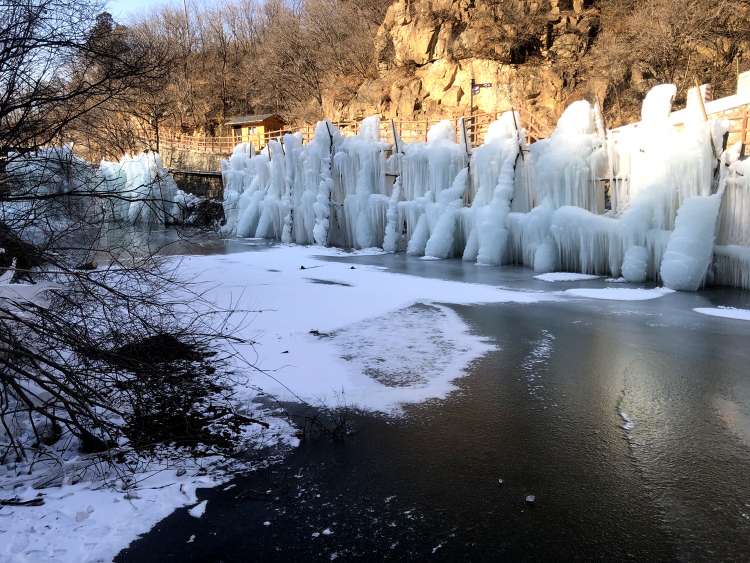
(544, 205)
(146, 192)
(137, 189)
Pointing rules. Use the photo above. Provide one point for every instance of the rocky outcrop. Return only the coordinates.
(428, 52)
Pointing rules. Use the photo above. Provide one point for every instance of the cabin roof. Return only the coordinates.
(250, 119)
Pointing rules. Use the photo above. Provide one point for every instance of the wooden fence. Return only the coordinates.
(416, 130)
(407, 130)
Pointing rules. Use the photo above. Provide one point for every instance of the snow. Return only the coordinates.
(565, 277)
(657, 104)
(409, 345)
(725, 312)
(85, 522)
(24, 293)
(620, 293)
(199, 509)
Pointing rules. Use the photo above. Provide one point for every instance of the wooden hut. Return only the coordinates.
(255, 129)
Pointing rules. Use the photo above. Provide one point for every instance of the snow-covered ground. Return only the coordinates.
(90, 522)
(94, 519)
(335, 334)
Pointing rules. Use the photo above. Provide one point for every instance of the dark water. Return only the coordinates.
(628, 421)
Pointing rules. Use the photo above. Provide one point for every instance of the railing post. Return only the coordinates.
(743, 137)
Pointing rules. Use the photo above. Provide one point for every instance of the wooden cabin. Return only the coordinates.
(254, 129)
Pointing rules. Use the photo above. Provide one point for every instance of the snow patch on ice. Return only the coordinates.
(627, 423)
(565, 276)
(620, 293)
(536, 361)
(383, 340)
(725, 312)
(199, 509)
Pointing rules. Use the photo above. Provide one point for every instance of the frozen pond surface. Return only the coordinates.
(629, 421)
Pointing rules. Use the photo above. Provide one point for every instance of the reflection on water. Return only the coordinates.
(627, 421)
(125, 241)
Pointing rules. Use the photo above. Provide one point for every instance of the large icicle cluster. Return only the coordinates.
(146, 192)
(541, 205)
(137, 189)
(732, 256)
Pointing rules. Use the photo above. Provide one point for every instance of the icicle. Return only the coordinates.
(442, 241)
(492, 234)
(543, 209)
(392, 226)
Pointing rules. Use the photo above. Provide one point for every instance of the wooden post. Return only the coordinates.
(395, 137)
(331, 210)
(426, 128)
(518, 132)
(743, 137)
(610, 168)
(467, 148)
(471, 96)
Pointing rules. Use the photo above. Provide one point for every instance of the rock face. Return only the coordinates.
(428, 52)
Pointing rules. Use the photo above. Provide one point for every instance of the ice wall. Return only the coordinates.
(434, 181)
(661, 164)
(542, 205)
(568, 164)
(732, 257)
(51, 170)
(360, 197)
(495, 165)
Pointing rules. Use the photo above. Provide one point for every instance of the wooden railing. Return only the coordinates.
(409, 131)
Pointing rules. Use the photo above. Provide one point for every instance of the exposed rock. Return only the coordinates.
(428, 52)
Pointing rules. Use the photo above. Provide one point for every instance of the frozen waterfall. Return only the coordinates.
(640, 202)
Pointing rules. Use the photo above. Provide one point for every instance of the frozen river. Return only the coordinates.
(629, 421)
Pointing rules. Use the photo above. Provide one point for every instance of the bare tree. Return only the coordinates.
(103, 349)
(643, 43)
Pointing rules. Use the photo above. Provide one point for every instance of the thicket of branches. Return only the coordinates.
(646, 42)
(103, 347)
(305, 59)
(234, 57)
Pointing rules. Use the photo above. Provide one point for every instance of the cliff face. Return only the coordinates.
(428, 51)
